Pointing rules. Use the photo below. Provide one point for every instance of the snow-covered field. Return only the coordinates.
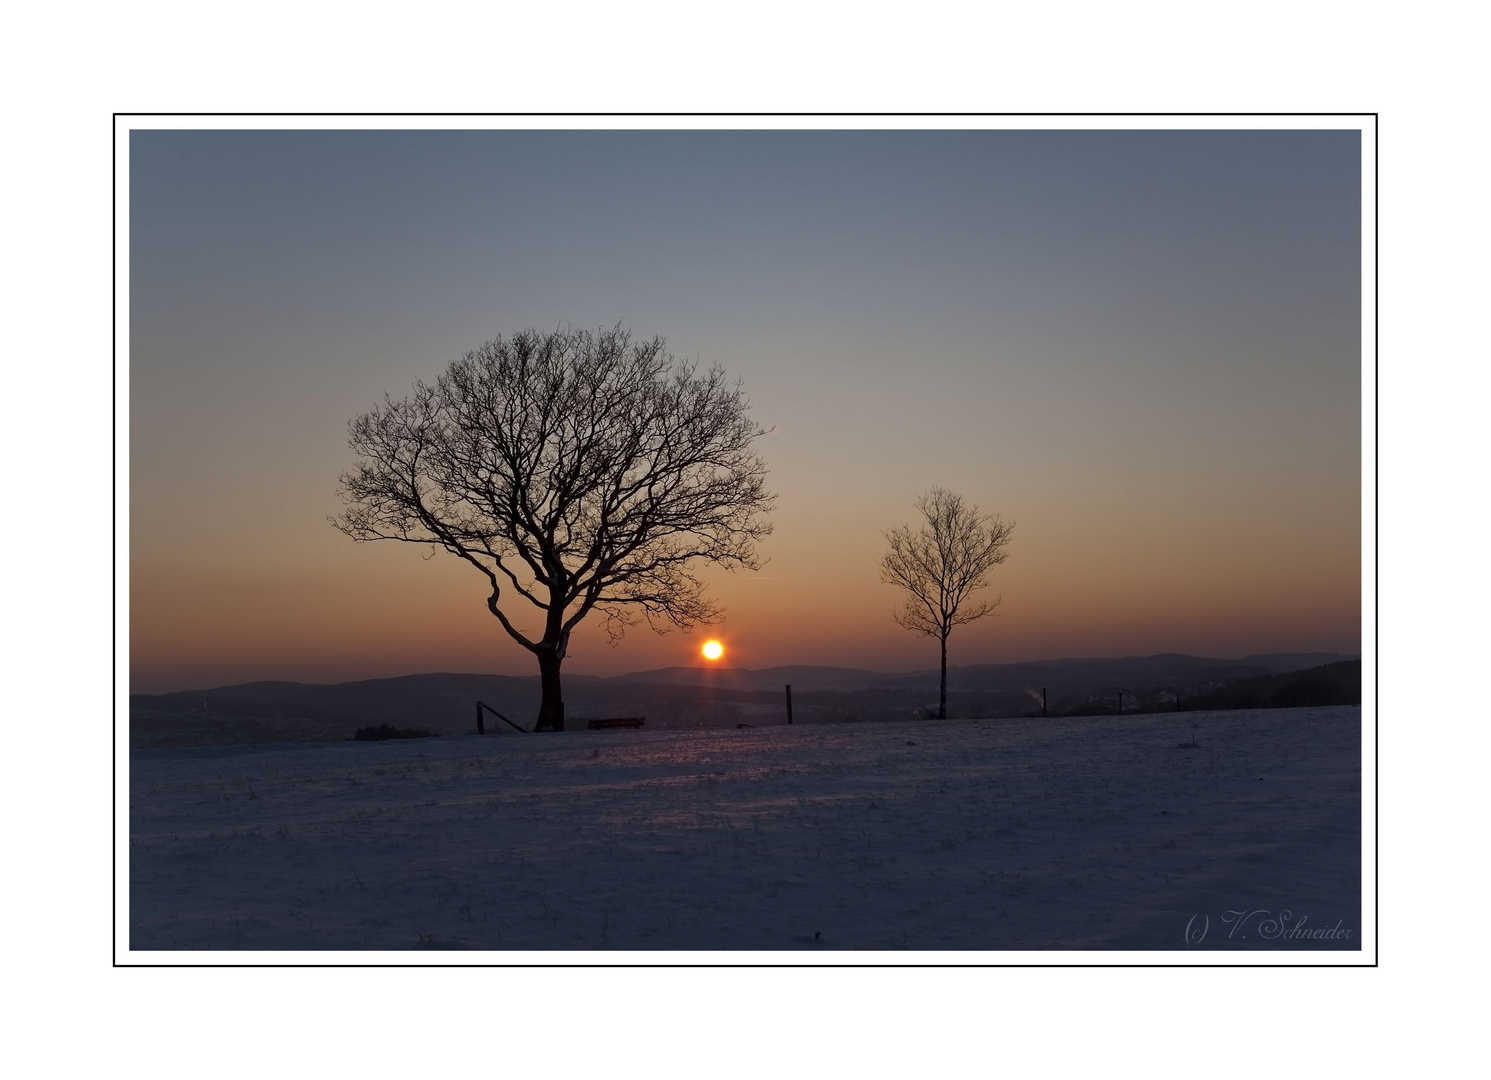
(1091, 833)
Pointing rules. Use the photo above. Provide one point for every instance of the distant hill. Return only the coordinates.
(799, 677)
(690, 697)
(1282, 663)
(1162, 668)
(1339, 683)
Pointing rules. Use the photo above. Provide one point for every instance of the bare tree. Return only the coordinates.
(941, 564)
(577, 472)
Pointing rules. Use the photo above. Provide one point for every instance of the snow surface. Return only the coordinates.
(1088, 833)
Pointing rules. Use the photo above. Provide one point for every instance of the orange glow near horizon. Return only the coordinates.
(713, 650)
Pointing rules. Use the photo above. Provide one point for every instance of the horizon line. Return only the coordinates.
(774, 667)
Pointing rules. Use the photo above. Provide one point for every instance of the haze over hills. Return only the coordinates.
(692, 697)
(1161, 668)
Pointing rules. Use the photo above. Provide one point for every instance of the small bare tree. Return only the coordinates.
(941, 564)
(581, 472)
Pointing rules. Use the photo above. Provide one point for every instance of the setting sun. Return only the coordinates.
(713, 650)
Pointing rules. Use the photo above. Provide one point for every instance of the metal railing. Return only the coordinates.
(481, 728)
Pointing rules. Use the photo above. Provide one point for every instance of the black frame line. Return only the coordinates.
(1376, 530)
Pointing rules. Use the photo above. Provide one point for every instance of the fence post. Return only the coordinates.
(1120, 703)
(481, 728)
(1043, 701)
(789, 703)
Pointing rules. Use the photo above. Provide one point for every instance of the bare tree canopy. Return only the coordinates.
(941, 564)
(578, 472)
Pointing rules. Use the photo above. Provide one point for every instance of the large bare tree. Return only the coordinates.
(941, 564)
(578, 472)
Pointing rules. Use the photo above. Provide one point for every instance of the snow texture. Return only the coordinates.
(1091, 833)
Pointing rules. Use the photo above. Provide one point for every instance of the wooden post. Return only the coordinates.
(789, 703)
(480, 727)
(1120, 703)
(1043, 701)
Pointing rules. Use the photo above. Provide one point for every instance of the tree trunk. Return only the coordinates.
(942, 697)
(551, 708)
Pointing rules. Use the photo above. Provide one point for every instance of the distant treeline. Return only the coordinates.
(1339, 683)
(689, 698)
(387, 731)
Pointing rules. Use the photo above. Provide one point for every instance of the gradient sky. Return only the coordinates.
(1142, 346)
